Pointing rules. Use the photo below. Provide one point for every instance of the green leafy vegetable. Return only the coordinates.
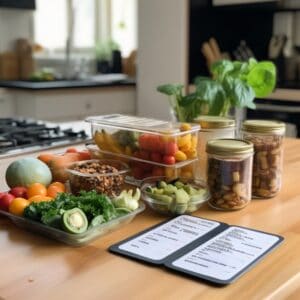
(233, 84)
(91, 203)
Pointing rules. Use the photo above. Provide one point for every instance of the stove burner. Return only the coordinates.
(27, 133)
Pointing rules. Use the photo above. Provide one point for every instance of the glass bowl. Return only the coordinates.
(106, 176)
(175, 203)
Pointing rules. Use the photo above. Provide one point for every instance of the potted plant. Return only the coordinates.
(233, 85)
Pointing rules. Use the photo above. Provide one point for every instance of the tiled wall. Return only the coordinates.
(14, 24)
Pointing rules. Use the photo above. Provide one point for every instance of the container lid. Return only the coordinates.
(141, 124)
(264, 126)
(229, 147)
(212, 122)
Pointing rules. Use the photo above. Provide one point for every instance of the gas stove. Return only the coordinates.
(19, 135)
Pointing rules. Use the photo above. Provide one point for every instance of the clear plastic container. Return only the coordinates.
(74, 240)
(212, 127)
(149, 139)
(141, 169)
(267, 137)
(106, 176)
(229, 173)
(174, 207)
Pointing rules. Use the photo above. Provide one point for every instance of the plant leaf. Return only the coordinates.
(262, 78)
(170, 89)
(239, 93)
(220, 68)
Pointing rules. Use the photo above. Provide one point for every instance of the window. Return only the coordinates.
(94, 20)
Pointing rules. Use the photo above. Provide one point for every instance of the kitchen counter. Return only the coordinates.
(63, 84)
(34, 267)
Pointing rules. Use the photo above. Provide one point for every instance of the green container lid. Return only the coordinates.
(264, 126)
(229, 147)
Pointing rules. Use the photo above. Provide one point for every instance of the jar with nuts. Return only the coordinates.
(267, 137)
(229, 173)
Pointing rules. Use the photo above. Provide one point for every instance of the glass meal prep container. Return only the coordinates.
(140, 169)
(212, 127)
(229, 173)
(78, 239)
(106, 176)
(148, 139)
(267, 137)
(174, 197)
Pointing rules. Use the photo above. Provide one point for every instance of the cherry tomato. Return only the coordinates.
(18, 205)
(53, 191)
(5, 200)
(156, 156)
(158, 171)
(137, 172)
(145, 155)
(19, 191)
(171, 148)
(169, 159)
(60, 185)
(36, 189)
(143, 141)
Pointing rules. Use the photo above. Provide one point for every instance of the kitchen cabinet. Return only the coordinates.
(7, 104)
(73, 103)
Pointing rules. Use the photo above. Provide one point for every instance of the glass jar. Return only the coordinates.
(229, 173)
(267, 137)
(212, 127)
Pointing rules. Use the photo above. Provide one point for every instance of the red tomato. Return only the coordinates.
(171, 148)
(144, 155)
(158, 171)
(143, 141)
(156, 156)
(5, 201)
(84, 155)
(169, 159)
(19, 192)
(71, 150)
(154, 142)
(137, 172)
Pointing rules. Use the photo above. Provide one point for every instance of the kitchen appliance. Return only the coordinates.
(19, 135)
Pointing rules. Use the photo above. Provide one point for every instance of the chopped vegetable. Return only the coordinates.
(127, 200)
(75, 221)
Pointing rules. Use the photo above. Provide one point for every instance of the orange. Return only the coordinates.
(18, 205)
(39, 198)
(53, 190)
(61, 186)
(36, 189)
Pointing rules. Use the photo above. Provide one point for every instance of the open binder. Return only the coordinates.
(201, 248)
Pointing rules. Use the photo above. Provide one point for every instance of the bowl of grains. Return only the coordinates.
(106, 176)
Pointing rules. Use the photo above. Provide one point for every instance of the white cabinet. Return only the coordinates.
(75, 103)
(7, 104)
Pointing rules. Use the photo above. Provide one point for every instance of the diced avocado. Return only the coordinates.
(157, 191)
(164, 198)
(75, 221)
(97, 221)
(178, 208)
(179, 184)
(191, 190)
(162, 184)
(181, 196)
(170, 189)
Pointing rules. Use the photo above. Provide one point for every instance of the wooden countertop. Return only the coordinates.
(33, 267)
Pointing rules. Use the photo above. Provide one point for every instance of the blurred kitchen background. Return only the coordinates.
(63, 60)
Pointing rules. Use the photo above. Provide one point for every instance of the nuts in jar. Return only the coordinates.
(104, 176)
(267, 137)
(229, 173)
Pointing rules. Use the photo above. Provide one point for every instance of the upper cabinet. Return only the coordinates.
(23, 4)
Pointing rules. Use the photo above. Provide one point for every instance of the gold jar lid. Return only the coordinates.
(214, 122)
(264, 126)
(229, 147)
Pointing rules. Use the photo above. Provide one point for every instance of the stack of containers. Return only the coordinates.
(150, 147)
